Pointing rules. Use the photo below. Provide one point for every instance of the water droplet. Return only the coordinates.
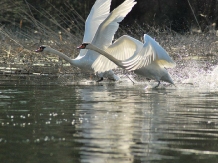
(37, 141)
(48, 122)
(46, 138)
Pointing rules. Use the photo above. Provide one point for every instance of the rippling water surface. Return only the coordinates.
(109, 123)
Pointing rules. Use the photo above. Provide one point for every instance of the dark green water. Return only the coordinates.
(108, 124)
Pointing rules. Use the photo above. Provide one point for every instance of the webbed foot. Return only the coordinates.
(101, 79)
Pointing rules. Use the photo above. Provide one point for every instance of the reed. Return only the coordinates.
(64, 31)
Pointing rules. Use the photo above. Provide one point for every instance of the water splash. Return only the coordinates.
(200, 74)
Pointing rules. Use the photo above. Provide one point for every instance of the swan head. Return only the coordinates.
(43, 48)
(84, 46)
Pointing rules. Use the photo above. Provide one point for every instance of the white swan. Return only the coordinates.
(148, 59)
(98, 21)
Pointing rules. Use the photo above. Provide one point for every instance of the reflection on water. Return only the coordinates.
(108, 123)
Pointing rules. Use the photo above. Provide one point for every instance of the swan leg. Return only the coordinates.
(101, 76)
(157, 84)
(130, 79)
(110, 75)
(100, 79)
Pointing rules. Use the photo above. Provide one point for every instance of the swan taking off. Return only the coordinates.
(97, 22)
(148, 59)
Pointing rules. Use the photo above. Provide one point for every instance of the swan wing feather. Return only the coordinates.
(99, 12)
(107, 29)
(151, 52)
(122, 49)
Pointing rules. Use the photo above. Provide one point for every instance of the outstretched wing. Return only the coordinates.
(105, 33)
(99, 12)
(150, 52)
(123, 48)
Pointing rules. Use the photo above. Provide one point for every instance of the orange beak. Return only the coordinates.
(81, 47)
(39, 50)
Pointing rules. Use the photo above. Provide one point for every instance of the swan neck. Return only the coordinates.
(62, 55)
(104, 53)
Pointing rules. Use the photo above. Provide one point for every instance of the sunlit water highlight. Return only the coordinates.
(110, 122)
